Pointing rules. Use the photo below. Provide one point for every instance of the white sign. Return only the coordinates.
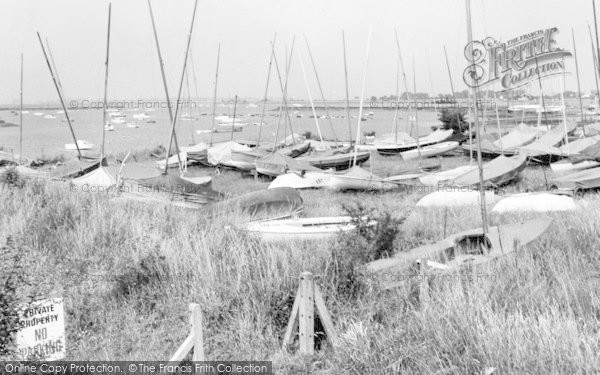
(41, 332)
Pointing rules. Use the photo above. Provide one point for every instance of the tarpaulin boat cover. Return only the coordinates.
(173, 161)
(198, 152)
(177, 184)
(578, 146)
(517, 137)
(98, 178)
(496, 172)
(278, 164)
(221, 153)
(272, 203)
(437, 136)
(545, 144)
(587, 179)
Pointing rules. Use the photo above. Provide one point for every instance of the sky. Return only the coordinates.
(76, 32)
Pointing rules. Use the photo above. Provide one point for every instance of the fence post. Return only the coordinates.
(197, 331)
(307, 313)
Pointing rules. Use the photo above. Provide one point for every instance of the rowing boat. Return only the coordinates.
(470, 247)
(302, 229)
(429, 151)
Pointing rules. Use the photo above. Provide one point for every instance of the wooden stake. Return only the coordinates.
(303, 316)
(307, 314)
(195, 340)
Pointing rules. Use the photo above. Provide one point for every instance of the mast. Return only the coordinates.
(283, 92)
(362, 97)
(54, 67)
(62, 101)
(189, 102)
(597, 41)
(347, 93)
(474, 91)
(453, 92)
(174, 120)
(312, 105)
(416, 107)
(234, 113)
(577, 74)
(164, 79)
(21, 116)
(212, 131)
(397, 89)
(262, 111)
(403, 77)
(321, 91)
(595, 58)
(105, 87)
(564, 106)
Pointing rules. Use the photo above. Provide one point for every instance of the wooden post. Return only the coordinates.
(307, 313)
(303, 315)
(195, 340)
(423, 283)
(196, 318)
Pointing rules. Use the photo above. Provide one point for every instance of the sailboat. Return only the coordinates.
(100, 179)
(470, 247)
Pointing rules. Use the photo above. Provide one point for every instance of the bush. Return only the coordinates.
(372, 239)
(453, 118)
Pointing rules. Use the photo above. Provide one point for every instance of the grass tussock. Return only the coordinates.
(128, 271)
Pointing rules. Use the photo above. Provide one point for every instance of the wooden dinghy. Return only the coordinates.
(453, 199)
(337, 160)
(497, 172)
(359, 179)
(276, 164)
(435, 179)
(429, 151)
(469, 247)
(535, 202)
(582, 180)
(269, 204)
(437, 136)
(302, 229)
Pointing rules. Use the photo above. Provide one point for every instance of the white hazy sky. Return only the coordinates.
(76, 31)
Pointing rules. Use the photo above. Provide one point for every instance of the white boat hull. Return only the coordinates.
(303, 229)
(429, 151)
(535, 202)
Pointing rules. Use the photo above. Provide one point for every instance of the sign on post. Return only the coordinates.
(516, 62)
(41, 331)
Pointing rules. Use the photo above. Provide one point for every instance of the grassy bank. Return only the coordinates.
(128, 271)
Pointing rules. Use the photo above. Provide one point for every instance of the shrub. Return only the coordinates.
(453, 118)
(372, 239)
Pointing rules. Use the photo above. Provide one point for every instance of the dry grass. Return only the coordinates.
(127, 272)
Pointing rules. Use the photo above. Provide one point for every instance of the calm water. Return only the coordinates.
(48, 136)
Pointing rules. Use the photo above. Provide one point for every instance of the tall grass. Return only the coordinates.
(128, 270)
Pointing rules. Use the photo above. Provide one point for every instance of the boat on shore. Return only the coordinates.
(357, 178)
(81, 144)
(302, 229)
(497, 172)
(470, 247)
(429, 151)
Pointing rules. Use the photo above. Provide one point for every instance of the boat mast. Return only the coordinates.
(212, 131)
(416, 107)
(283, 92)
(312, 105)
(105, 87)
(21, 116)
(164, 79)
(60, 97)
(595, 58)
(453, 92)
(189, 101)
(234, 113)
(321, 91)
(564, 106)
(174, 120)
(403, 78)
(578, 83)
(362, 97)
(54, 67)
(474, 91)
(347, 93)
(197, 97)
(397, 89)
(262, 111)
(597, 46)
